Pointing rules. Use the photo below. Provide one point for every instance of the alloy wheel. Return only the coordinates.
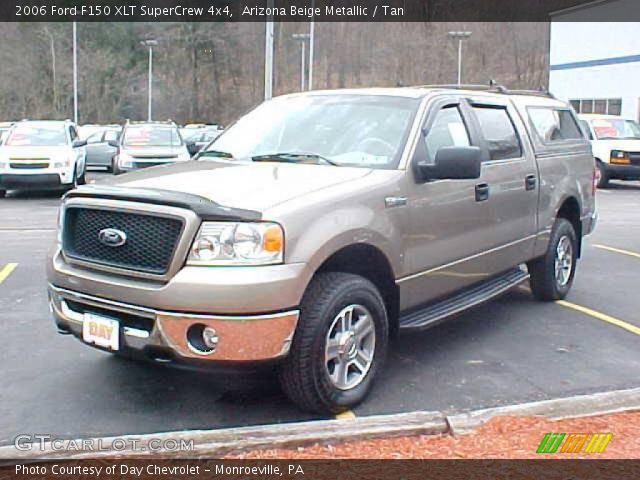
(350, 347)
(563, 260)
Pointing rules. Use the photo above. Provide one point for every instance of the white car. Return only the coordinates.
(42, 155)
(616, 146)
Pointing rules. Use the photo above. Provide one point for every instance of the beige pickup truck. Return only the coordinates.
(322, 223)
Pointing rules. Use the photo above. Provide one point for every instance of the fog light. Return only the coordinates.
(202, 339)
(210, 337)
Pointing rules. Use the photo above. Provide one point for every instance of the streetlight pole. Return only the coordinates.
(75, 73)
(303, 37)
(268, 55)
(460, 36)
(150, 44)
(312, 36)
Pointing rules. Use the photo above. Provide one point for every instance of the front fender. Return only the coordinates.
(342, 227)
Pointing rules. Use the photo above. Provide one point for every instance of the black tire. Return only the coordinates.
(3, 193)
(304, 375)
(603, 178)
(544, 283)
(74, 182)
(82, 180)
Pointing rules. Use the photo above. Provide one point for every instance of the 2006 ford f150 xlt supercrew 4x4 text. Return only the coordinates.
(320, 224)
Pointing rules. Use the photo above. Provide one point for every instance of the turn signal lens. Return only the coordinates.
(273, 239)
(619, 157)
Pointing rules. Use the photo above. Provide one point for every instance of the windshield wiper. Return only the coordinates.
(214, 153)
(293, 157)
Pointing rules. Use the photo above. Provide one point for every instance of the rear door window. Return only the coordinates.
(553, 125)
(499, 132)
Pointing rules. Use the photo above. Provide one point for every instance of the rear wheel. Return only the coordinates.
(601, 175)
(3, 193)
(552, 274)
(339, 346)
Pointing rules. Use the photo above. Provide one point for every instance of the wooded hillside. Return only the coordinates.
(212, 72)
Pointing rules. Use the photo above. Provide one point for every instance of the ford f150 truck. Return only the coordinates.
(319, 225)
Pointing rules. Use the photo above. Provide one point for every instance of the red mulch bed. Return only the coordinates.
(501, 437)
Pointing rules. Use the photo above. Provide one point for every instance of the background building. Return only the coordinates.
(596, 66)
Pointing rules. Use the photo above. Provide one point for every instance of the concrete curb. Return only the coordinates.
(215, 443)
(555, 409)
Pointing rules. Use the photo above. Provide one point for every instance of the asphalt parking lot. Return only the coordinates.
(511, 350)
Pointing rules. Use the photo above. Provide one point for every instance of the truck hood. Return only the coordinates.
(239, 184)
(29, 152)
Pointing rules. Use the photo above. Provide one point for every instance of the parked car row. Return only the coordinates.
(53, 154)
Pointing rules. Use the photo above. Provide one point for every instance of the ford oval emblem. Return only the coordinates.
(112, 237)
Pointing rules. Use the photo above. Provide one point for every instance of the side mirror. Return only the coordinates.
(454, 163)
(79, 143)
(113, 143)
(192, 148)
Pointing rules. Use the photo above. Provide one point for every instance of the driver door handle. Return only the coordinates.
(482, 192)
(530, 182)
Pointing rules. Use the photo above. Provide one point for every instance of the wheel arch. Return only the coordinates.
(570, 210)
(368, 261)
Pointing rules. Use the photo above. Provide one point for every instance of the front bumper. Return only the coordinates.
(200, 290)
(162, 335)
(622, 172)
(12, 181)
(139, 164)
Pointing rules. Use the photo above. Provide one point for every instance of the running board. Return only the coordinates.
(474, 295)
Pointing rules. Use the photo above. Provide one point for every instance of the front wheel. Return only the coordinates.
(74, 182)
(82, 180)
(339, 346)
(3, 193)
(115, 169)
(552, 274)
(601, 175)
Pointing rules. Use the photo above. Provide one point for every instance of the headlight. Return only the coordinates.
(62, 162)
(619, 156)
(227, 243)
(125, 160)
(60, 225)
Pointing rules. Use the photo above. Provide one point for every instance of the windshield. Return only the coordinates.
(354, 130)
(37, 136)
(609, 129)
(151, 136)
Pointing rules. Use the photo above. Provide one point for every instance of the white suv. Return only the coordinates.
(42, 155)
(616, 146)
